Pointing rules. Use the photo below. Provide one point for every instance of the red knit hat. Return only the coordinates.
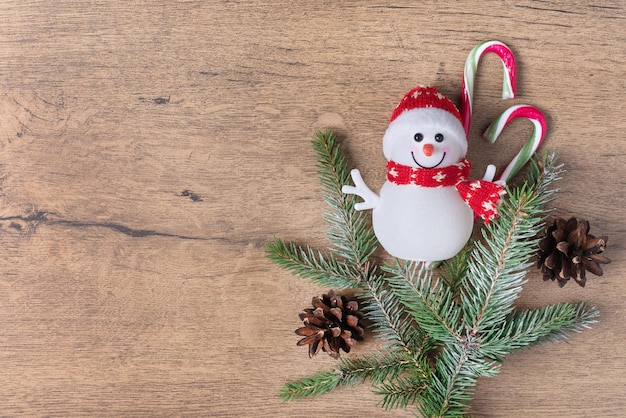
(422, 96)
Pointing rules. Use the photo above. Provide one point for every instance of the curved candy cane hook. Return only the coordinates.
(469, 74)
(536, 137)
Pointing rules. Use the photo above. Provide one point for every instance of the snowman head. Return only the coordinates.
(425, 131)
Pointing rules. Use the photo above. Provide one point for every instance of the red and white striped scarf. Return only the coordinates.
(480, 195)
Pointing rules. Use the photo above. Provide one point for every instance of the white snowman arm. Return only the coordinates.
(490, 173)
(370, 199)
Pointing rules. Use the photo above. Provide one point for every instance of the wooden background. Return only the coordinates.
(149, 150)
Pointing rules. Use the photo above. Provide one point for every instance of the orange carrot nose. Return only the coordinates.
(428, 149)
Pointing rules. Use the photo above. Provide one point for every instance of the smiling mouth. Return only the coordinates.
(434, 166)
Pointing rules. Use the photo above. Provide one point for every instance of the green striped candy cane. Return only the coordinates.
(530, 147)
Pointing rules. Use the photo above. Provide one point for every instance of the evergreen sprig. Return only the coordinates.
(348, 230)
(315, 385)
(533, 326)
(323, 269)
(379, 367)
(400, 392)
(443, 329)
(498, 265)
(427, 299)
(352, 239)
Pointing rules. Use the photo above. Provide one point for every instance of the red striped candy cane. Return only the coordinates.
(469, 75)
(536, 137)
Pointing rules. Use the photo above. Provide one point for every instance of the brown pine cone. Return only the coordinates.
(568, 250)
(332, 324)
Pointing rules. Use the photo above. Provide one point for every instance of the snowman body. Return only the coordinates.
(421, 223)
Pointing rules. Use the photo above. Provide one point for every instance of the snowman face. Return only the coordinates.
(425, 138)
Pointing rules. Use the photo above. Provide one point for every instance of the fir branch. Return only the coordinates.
(498, 265)
(533, 326)
(427, 300)
(454, 270)
(544, 172)
(315, 385)
(385, 313)
(349, 231)
(324, 270)
(452, 384)
(400, 392)
(390, 323)
(389, 320)
(377, 367)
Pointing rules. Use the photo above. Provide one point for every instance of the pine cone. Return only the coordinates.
(332, 324)
(568, 251)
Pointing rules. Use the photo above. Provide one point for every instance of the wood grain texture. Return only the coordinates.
(150, 149)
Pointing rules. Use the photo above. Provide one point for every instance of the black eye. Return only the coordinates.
(439, 138)
(418, 137)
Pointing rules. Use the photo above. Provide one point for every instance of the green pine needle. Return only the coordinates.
(400, 392)
(428, 300)
(311, 386)
(454, 270)
(377, 367)
(349, 231)
(498, 265)
(533, 326)
(307, 263)
(385, 313)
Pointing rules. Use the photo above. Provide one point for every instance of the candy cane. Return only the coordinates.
(469, 74)
(536, 137)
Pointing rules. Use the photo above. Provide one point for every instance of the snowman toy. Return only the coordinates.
(426, 208)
